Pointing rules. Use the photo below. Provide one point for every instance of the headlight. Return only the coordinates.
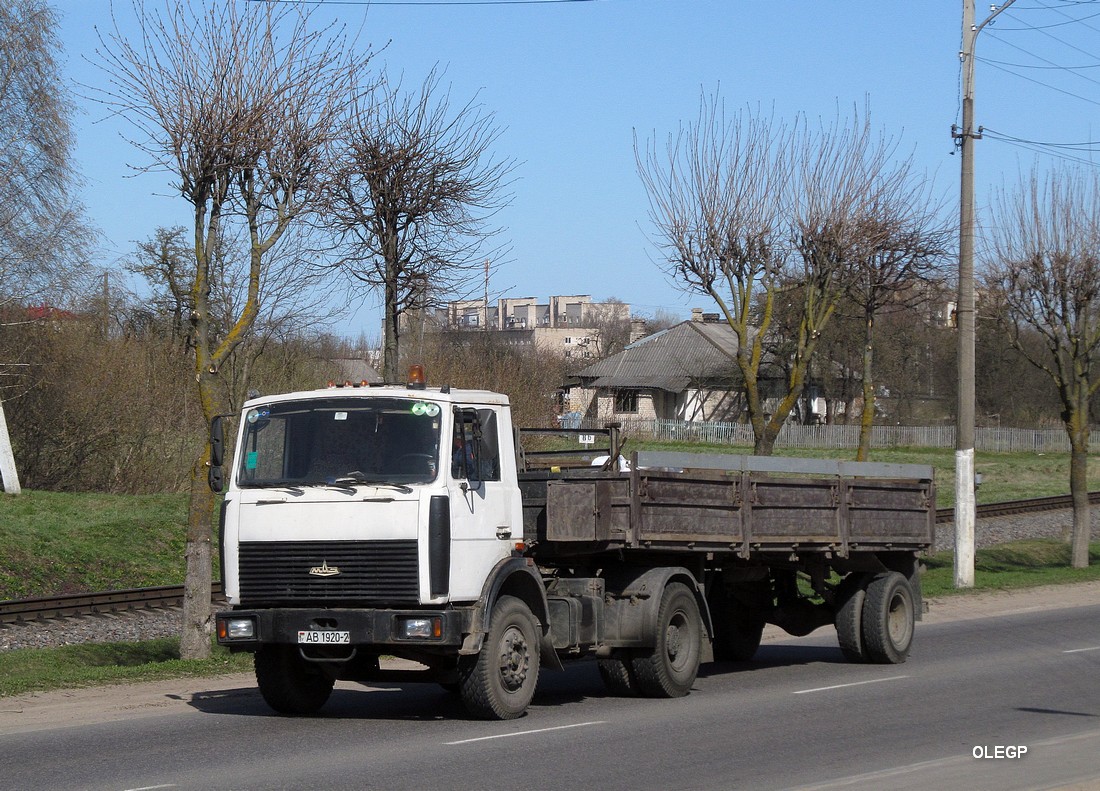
(420, 628)
(236, 629)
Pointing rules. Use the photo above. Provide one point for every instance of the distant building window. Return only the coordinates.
(568, 340)
(626, 401)
(568, 353)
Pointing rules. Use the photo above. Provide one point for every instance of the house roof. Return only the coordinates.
(357, 370)
(691, 351)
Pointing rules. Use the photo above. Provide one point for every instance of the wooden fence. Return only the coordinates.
(1015, 440)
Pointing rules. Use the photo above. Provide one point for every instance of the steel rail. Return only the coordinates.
(77, 604)
(1032, 505)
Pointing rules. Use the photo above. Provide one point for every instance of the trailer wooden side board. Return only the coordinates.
(741, 504)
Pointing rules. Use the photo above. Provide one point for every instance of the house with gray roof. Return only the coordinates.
(686, 372)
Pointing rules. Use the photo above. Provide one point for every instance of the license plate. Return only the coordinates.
(323, 637)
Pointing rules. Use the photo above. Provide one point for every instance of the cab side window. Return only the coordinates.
(475, 448)
(489, 463)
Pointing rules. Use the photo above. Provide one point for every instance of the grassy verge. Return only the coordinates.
(53, 543)
(1018, 564)
(95, 664)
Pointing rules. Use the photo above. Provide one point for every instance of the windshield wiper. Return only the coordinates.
(359, 479)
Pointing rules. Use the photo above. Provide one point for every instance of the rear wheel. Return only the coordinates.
(889, 615)
(669, 669)
(500, 681)
(849, 617)
(290, 684)
(618, 675)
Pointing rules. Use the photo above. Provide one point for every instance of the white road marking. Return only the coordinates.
(1082, 650)
(853, 684)
(526, 733)
(150, 788)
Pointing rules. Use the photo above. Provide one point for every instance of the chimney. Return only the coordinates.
(637, 330)
(696, 314)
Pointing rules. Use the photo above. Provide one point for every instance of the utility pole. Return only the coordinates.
(964, 309)
(8, 474)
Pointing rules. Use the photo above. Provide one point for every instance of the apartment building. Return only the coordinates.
(570, 325)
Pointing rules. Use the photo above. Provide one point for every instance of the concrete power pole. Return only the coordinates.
(964, 310)
(8, 473)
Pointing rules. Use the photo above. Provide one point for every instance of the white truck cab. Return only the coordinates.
(333, 493)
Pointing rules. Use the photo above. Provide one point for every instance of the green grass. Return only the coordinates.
(1018, 564)
(95, 664)
(56, 543)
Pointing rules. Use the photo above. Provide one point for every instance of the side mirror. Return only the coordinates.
(215, 478)
(217, 442)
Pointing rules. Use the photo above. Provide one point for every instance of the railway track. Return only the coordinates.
(1033, 505)
(71, 605)
(18, 610)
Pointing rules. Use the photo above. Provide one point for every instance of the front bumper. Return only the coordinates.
(365, 627)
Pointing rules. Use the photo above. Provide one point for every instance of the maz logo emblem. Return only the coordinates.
(324, 570)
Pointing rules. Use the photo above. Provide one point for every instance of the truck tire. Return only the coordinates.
(618, 676)
(889, 615)
(668, 670)
(500, 681)
(848, 618)
(288, 683)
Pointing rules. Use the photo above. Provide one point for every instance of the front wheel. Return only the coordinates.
(669, 669)
(290, 684)
(500, 681)
(889, 614)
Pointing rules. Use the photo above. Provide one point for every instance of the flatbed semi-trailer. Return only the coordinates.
(414, 522)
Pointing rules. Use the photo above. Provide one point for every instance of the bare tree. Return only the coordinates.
(43, 232)
(1044, 271)
(412, 202)
(166, 262)
(749, 212)
(241, 104)
(901, 242)
(716, 196)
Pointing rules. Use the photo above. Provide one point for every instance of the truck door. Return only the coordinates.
(480, 513)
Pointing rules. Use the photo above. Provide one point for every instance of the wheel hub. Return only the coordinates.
(673, 642)
(514, 660)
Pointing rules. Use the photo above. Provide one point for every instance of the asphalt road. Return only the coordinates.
(977, 689)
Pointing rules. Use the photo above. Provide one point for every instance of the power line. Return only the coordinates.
(1051, 63)
(1054, 66)
(1087, 145)
(1038, 82)
(1050, 149)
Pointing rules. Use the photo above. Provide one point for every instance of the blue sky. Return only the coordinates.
(571, 83)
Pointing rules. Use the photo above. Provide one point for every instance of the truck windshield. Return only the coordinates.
(340, 442)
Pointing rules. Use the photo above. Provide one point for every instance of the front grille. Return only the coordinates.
(375, 572)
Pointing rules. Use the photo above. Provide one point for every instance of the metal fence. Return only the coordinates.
(847, 437)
